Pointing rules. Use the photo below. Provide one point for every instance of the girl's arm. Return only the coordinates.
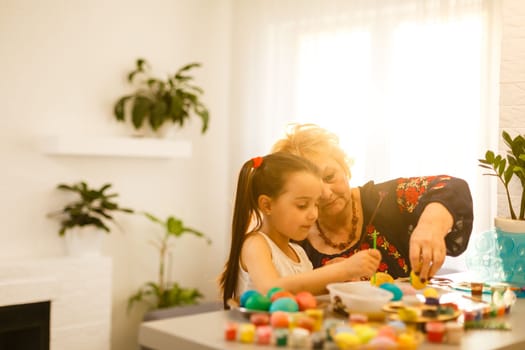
(256, 259)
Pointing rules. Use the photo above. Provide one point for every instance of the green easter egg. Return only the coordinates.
(273, 290)
(258, 302)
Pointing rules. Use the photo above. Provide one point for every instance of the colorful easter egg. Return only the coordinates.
(394, 289)
(246, 295)
(272, 291)
(284, 304)
(381, 277)
(281, 294)
(305, 300)
(415, 281)
(258, 302)
(279, 319)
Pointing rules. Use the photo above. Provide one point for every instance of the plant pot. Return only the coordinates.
(499, 254)
(84, 241)
(509, 225)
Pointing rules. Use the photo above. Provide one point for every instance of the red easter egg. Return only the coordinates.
(281, 294)
(279, 319)
(306, 300)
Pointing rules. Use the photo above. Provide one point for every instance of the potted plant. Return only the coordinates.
(499, 253)
(87, 216)
(157, 102)
(163, 293)
(506, 169)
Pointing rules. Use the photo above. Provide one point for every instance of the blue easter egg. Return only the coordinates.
(394, 289)
(284, 304)
(246, 295)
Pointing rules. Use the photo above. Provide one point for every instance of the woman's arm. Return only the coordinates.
(443, 215)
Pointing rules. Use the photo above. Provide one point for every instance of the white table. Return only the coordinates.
(206, 331)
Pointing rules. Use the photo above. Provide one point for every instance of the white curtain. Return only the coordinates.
(410, 86)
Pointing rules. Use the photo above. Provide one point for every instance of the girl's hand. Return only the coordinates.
(363, 263)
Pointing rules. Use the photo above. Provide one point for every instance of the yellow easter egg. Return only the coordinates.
(430, 293)
(407, 341)
(381, 277)
(416, 282)
(346, 341)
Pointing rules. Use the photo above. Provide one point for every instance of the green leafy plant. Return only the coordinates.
(509, 167)
(158, 101)
(94, 207)
(163, 293)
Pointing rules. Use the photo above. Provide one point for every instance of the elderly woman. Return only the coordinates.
(416, 221)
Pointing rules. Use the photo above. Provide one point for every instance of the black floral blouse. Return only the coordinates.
(397, 216)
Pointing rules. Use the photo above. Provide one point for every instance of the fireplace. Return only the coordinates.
(25, 326)
(63, 303)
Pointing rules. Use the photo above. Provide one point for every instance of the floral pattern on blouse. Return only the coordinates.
(410, 190)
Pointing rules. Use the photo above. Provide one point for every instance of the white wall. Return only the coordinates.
(512, 87)
(62, 67)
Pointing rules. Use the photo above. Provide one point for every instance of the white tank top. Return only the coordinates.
(283, 264)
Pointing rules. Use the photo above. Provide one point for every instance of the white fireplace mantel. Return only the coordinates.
(79, 290)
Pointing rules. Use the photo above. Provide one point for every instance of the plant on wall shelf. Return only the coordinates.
(157, 101)
(509, 167)
(94, 207)
(164, 293)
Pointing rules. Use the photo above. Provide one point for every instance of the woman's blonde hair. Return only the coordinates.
(311, 141)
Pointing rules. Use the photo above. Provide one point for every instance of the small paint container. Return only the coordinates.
(454, 332)
(299, 338)
(435, 331)
(476, 290)
(281, 336)
(230, 331)
(246, 333)
(264, 335)
(318, 316)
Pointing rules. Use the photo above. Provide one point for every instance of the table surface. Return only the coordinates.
(206, 331)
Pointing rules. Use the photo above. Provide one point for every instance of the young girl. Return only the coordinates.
(276, 202)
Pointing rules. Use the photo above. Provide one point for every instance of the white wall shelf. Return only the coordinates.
(97, 146)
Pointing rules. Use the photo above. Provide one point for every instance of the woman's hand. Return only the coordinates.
(427, 243)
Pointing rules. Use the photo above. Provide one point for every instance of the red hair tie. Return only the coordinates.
(257, 161)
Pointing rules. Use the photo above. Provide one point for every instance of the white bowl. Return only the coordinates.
(360, 297)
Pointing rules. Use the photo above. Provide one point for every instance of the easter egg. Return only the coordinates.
(416, 282)
(305, 300)
(381, 342)
(284, 304)
(346, 340)
(281, 294)
(407, 341)
(381, 277)
(246, 295)
(430, 293)
(270, 293)
(394, 289)
(364, 332)
(260, 319)
(258, 302)
(279, 319)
